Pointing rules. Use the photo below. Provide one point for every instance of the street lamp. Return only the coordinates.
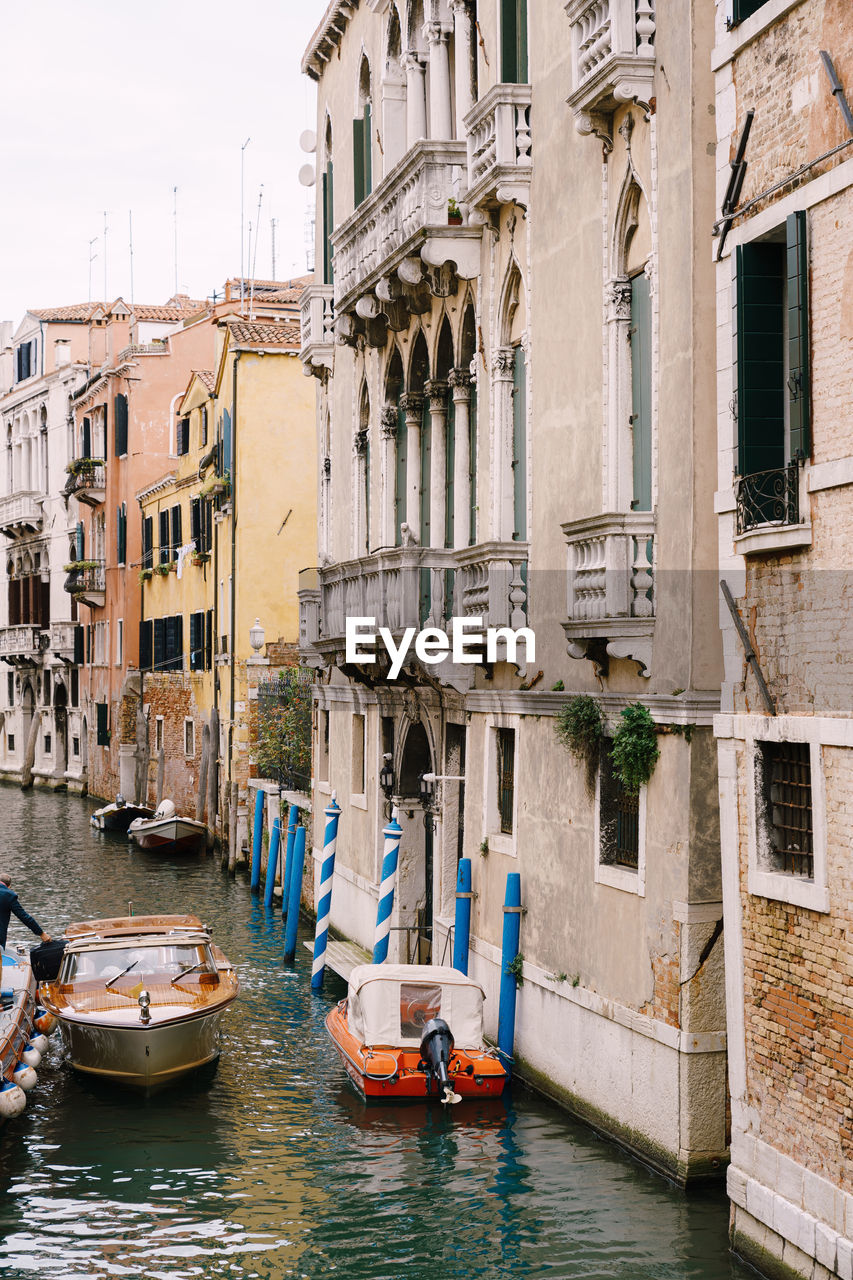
(386, 776)
(426, 786)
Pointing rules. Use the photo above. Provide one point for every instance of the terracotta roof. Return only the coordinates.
(271, 290)
(250, 333)
(207, 376)
(76, 311)
(177, 308)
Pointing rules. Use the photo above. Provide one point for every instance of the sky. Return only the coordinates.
(107, 105)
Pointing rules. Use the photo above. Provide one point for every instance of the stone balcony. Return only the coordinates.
(500, 165)
(62, 640)
(88, 483)
(612, 58)
(412, 587)
(399, 248)
(21, 513)
(88, 584)
(20, 644)
(611, 605)
(317, 313)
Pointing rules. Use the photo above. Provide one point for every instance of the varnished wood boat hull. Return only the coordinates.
(145, 1058)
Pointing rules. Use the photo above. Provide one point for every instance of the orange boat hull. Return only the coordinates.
(391, 1074)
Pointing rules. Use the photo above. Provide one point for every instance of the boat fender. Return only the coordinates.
(39, 1042)
(25, 1077)
(13, 1100)
(45, 1022)
(31, 1057)
(436, 1048)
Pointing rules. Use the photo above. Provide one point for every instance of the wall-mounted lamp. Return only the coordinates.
(386, 775)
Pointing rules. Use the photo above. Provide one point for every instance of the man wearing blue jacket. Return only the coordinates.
(9, 906)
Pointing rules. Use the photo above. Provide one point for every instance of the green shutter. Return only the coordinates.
(514, 41)
(400, 486)
(120, 421)
(368, 154)
(472, 473)
(641, 391)
(145, 635)
(159, 643)
(328, 223)
(519, 445)
(79, 646)
(87, 438)
(758, 324)
(106, 425)
(226, 441)
(103, 711)
(798, 334)
(79, 540)
(358, 162)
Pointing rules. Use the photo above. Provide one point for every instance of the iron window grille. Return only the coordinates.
(768, 497)
(506, 778)
(787, 789)
(619, 817)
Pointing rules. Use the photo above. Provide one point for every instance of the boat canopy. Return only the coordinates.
(390, 1004)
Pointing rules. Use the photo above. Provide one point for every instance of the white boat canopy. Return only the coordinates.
(390, 1004)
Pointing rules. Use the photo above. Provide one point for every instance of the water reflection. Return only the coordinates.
(272, 1167)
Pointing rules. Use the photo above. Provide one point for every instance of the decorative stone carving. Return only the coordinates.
(388, 422)
(502, 363)
(437, 392)
(412, 404)
(460, 383)
(360, 441)
(619, 300)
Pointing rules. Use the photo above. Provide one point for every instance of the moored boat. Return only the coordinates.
(119, 815)
(22, 1024)
(414, 1033)
(168, 832)
(140, 999)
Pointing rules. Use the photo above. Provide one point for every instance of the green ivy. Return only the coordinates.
(515, 969)
(635, 753)
(579, 726)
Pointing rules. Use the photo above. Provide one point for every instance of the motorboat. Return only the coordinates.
(411, 1032)
(167, 831)
(140, 999)
(119, 815)
(22, 1032)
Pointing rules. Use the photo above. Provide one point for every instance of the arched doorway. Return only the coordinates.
(416, 869)
(60, 717)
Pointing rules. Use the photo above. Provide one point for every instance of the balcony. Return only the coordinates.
(21, 514)
(398, 247)
(613, 58)
(412, 587)
(318, 337)
(611, 606)
(499, 144)
(88, 582)
(87, 481)
(20, 645)
(61, 640)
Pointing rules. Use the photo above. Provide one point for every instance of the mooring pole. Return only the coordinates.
(257, 840)
(272, 862)
(462, 926)
(295, 895)
(393, 833)
(292, 819)
(509, 982)
(324, 898)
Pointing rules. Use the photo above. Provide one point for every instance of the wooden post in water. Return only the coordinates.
(232, 829)
(202, 774)
(213, 778)
(161, 774)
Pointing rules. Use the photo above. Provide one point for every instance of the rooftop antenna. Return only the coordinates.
(130, 234)
(105, 257)
(242, 185)
(175, 214)
(272, 225)
(255, 254)
(92, 257)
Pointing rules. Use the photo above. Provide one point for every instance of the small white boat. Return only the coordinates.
(140, 999)
(119, 815)
(22, 1024)
(167, 831)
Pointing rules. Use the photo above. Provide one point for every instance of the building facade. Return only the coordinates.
(785, 377)
(509, 332)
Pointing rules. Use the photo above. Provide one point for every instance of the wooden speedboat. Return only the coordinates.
(22, 1041)
(140, 999)
(414, 1032)
(119, 815)
(168, 832)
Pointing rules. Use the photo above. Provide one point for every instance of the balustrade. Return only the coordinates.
(21, 513)
(499, 147)
(317, 313)
(612, 55)
(610, 584)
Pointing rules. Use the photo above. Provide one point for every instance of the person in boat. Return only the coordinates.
(10, 906)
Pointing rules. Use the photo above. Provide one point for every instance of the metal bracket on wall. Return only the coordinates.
(747, 647)
(837, 89)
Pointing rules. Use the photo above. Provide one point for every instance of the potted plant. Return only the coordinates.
(162, 569)
(454, 213)
(199, 557)
(145, 575)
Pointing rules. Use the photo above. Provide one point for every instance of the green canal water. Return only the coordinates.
(273, 1167)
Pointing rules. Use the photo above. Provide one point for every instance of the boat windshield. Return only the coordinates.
(168, 960)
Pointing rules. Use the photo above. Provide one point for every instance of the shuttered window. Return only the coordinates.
(183, 436)
(208, 641)
(103, 713)
(797, 264)
(177, 539)
(148, 542)
(195, 523)
(743, 9)
(226, 441)
(145, 642)
(121, 533)
(514, 41)
(79, 646)
(641, 391)
(361, 157)
(87, 438)
(165, 552)
(204, 424)
(196, 642)
(120, 421)
(79, 540)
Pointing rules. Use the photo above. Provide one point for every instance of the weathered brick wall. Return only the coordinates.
(172, 696)
(782, 77)
(831, 326)
(798, 1003)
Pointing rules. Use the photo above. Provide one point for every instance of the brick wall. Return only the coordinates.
(172, 696)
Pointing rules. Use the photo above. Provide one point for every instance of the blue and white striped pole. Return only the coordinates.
(324, 898)
(292, 819)
(393, 834)
(462, 930)
(509, 983)
(295, 896)
(260, 797)
(272, 861)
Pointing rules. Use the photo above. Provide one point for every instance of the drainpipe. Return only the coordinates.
(233, 555)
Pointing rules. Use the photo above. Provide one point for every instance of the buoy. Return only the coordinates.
(45, 1022)
(12, 1101)
(31, 1057)
(39, 1042)
(25, 1077)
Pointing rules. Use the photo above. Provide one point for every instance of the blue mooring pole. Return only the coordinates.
(257, 839)
(324, 897)
(509, 984)
(295, 895)
(393, 834)
(272, 861)
(462, 927)
(292, 819)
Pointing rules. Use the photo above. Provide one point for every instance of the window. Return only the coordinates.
(119, 641)
(103, 714)
(165, 551)
(505, 757)
(148, 542)
(323, 745)
(357, 786)
(744, 9)
(10, 689)
(120, 424)
(121, 533)
(204, 424)
(208, 641)
(75, 674)
(328, 200)
(177, 539)
(48, 744)
(620, 820)
(197, 653)
(786, 810)
(183, 436)
(201, 524)
(361, 157)
(772, 357)
(158, 734)
(10, 742)
(189, 737)
(25, 363)
(75, 747)
(514, 41)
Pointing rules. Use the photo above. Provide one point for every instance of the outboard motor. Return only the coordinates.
(436, 1048)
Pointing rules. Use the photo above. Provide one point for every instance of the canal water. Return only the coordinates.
(273, 1168)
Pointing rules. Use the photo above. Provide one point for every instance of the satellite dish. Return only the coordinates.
(308, 141)
(307, 176)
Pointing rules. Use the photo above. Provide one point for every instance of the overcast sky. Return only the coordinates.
(107, 105)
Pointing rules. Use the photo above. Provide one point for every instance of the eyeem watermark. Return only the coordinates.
(432, 645)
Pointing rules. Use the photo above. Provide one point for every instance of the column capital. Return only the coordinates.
(462, 7)
(388, 421)
(436, 390)
(359, 442)
(411, 61)
(502, 363)
(460, 382)
(436, 33)
(618, 300)
(412, 403)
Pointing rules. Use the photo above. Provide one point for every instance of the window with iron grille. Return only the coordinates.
(619, 817)
(786, 791)
(506, 778)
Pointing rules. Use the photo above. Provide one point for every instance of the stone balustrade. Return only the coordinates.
(613, 56)
(62, 639)
(499, 147)
(21, 643)
(317, 315)
(89, 483)
(21, 513)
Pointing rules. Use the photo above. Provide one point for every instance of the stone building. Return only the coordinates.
(515, 388)
(785, 496)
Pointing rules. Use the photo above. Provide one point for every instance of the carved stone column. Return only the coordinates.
(460, 382)
(437, 392)
(462, 61)
(618, 456)
(412, 404)
(415, 97)
(361, 505)
(440, 122)
(388, 426)
(503, 495)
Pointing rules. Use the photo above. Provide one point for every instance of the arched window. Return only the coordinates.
(510, 387)
(362, 138)
(393, 444)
